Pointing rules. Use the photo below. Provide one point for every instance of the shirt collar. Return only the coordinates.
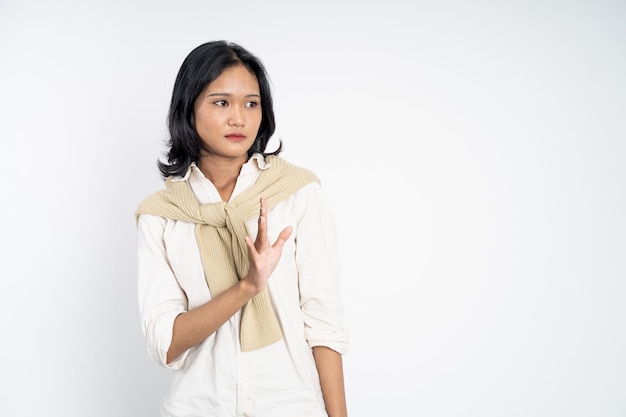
(257, 162)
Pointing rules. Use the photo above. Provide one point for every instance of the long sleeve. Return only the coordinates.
(160, 296)
(319, 273)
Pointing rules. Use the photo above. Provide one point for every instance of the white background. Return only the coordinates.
(473, 153)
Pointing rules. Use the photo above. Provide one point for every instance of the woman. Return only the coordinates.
(238, 276)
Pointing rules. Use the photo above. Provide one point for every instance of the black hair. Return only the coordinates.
(201, 67)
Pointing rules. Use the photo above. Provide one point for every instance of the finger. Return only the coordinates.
(282, 237)
(261, 241)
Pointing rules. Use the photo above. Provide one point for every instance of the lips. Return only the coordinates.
(237, 137)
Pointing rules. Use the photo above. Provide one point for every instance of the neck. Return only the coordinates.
(222, 172)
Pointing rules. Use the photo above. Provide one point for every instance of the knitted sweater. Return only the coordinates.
(220, 232)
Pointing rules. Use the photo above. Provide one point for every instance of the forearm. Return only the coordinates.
(194, 326)
(330, 369)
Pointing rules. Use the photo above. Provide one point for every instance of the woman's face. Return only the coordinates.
(227, 114)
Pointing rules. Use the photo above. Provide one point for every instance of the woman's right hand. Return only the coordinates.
(263, 256)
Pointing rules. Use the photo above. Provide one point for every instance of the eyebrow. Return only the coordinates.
(230, 95)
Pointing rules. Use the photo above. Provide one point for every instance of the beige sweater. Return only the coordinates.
(220, 231)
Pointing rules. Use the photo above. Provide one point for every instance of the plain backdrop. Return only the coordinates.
(473, 153)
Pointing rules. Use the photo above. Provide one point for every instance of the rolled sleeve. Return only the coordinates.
(161, 299)
(319, 273)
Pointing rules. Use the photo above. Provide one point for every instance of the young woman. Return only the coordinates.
(238, 275)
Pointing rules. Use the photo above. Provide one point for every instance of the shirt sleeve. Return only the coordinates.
(161, 299)
(319, 272)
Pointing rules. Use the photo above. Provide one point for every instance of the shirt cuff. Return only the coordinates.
(337, 341)
(159, 331)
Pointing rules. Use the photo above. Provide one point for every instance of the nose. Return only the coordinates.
(235, 116)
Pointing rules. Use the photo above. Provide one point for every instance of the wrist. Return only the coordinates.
(247, 288)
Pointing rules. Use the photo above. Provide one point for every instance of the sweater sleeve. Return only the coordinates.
(161, 299)
(319, 273)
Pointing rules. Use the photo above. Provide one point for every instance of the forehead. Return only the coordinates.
(237, 78)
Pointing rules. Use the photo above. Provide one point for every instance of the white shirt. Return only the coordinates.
(215, 378)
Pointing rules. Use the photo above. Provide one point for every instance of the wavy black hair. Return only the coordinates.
(201, 67)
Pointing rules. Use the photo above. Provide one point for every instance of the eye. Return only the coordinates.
(251, 104)
(220, 103)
